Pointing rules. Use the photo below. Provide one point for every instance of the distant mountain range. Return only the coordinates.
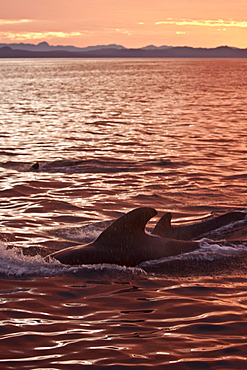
(44, 46)
(44, 50)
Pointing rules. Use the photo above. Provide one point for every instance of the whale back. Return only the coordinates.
(125, 242)
(163, 226)
(123, 232)
(192, 231)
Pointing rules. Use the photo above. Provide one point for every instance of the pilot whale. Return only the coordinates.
(188, 232)
(125, 242)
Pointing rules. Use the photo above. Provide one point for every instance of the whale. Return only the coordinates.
(189, 232)
(125, 242)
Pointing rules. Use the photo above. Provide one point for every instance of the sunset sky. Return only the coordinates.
(131, 23)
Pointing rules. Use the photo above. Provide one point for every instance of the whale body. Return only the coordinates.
(126, 242)
(188, 232)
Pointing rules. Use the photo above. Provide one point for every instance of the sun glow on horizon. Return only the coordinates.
(128, 23)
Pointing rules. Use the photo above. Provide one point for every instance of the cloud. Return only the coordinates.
(123, 30)
(204, 23)
(14, 21)
(22, 36)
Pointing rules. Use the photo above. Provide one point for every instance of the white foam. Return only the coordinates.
(14, 263)
(221, 248)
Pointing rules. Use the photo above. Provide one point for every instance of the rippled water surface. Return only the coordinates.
(81, 143)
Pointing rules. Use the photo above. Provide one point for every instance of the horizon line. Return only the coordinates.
(119, 45)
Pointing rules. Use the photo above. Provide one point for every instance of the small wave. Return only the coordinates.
(83, 234)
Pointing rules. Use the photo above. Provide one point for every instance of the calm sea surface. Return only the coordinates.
(81, 143)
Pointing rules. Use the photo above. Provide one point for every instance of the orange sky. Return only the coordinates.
(131, 23)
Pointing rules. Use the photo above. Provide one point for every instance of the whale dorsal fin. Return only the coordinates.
(123, 229)
(163, 226)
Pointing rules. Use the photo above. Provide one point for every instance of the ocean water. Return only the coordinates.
(83, 141)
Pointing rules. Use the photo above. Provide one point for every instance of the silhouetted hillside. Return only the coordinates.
(44, 46)
(117, 51)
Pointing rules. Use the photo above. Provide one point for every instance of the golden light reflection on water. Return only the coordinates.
(109, 335)
(106, 137)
